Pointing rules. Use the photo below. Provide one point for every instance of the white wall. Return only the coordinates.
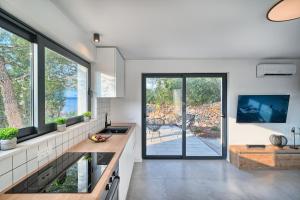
(241, 80)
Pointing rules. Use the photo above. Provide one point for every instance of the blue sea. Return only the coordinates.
(70, 105)
(71, 101)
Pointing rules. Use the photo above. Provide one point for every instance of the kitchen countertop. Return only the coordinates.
(115, 144)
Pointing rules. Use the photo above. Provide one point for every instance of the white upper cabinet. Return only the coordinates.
(109, 73)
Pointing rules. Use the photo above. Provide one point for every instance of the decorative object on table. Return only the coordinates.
(61, 124)
(99, 138)
(87, 116)
(8, 138)
(294, 135)
(278, 140)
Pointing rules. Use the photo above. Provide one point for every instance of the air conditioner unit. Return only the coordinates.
(263, 70)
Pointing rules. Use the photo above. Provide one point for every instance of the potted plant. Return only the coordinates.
(61, 124)
(87, 116)
(8, 138)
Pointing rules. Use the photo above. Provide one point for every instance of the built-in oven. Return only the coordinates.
(112, 187)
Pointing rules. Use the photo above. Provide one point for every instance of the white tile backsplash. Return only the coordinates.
(42, 154)
(51, 154)
(65, 146)
(5, 180)
(75, 140)
(43, 146)
(19, 159)
(32, 152)
(58, 140)
(19, 172)
(32, 165)
(42, 162)
(103, 106)
(65, 137)
(71, 135)
(71, 142)
(51, 143)
(5, 165)
(59, 150)
(37, 152)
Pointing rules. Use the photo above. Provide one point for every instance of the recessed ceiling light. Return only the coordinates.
(284, 10)
(96, 38)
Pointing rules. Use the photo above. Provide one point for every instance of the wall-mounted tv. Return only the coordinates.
(262, 108)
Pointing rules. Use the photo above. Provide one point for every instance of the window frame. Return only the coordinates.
(40, 42)
(17, 29)
(46, 43)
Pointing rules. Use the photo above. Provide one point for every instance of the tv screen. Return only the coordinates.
(262, 108)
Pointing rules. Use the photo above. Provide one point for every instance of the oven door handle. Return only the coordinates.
(113, 189)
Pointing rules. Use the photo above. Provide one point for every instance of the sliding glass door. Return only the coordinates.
(184, 115)
(204, 116)
(163, 116)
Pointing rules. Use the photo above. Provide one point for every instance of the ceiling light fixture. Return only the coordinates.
(284, 10)
(96, 38)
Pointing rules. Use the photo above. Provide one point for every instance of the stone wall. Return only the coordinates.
(203, 120)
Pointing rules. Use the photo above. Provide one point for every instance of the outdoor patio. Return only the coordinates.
(169, 142)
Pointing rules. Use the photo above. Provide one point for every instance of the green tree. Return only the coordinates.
(16, 81)
(203, 90)
(198, 90)
(15, 71)
(60, 73)
(161, 90)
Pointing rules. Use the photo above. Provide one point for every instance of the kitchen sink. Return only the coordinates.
(115, 130)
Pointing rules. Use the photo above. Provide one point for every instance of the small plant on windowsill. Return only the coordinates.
(8, 138)
(61, 124)
(87, 116)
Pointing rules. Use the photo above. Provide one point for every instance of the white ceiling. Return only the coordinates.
(186, 29)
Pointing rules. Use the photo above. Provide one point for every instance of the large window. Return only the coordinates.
(40, 80)
(66, 87)
(15, 80)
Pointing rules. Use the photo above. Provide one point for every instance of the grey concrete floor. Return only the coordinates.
(210, 180)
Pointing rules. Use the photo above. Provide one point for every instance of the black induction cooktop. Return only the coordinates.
(73, 172)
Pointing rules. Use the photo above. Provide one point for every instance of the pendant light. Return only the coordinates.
(284, 10)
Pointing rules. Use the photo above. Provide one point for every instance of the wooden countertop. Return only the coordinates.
(115, 144)
(269, 149)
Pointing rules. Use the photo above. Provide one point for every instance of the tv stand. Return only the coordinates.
(255, 146)
(270, 157)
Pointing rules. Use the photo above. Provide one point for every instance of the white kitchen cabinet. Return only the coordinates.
(126, 163)
(109, 73)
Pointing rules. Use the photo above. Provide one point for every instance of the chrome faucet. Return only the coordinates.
(106, 123)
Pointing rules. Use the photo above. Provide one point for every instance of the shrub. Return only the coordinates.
(197, 129)
(60, 121)
(215, 128)
(8, 133)
(87, 114)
